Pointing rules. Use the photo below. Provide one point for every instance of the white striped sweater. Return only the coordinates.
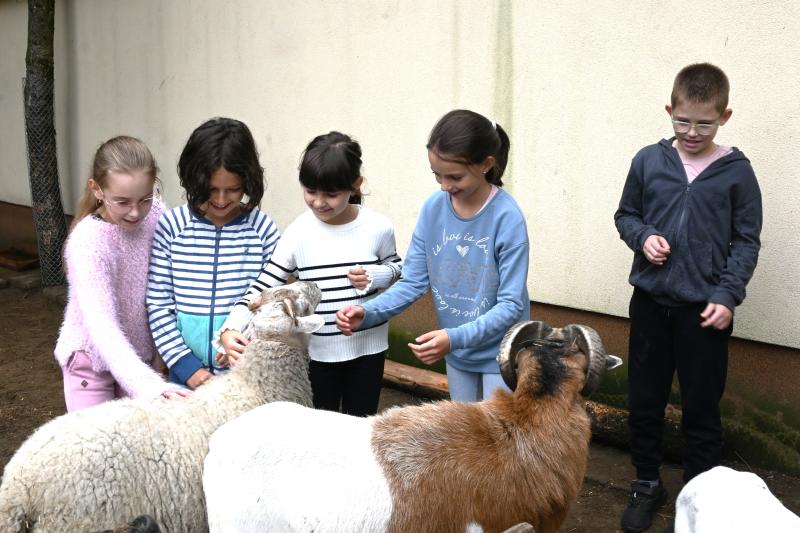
(197, 272)
(312, 250)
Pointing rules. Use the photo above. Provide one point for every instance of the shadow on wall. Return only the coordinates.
(760, 409)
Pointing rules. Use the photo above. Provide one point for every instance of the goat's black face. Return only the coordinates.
(548, 356)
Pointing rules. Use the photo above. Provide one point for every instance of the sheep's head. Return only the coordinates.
(285, 310)
(539, 338)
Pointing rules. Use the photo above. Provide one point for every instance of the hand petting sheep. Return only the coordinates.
(442, 467)
(94, 469)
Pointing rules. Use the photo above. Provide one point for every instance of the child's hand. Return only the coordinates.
(717, 316)
(348, 318)
(233, 343)
(176, 392)
(198, 378)
(358, 277)
(656, 249)
(431, 346)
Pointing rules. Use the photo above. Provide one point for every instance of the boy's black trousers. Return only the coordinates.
(665, 339)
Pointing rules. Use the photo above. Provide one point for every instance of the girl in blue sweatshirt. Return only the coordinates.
(470, 248)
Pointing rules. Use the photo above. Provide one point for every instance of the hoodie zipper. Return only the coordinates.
(687, 189)
(209, 350)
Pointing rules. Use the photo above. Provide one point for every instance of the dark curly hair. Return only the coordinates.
(220, 142)
(332, 163)
(463, 136)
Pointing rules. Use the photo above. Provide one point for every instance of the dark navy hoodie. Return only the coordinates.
(712, 226)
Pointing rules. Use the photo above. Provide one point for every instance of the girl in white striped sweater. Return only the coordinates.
(349, 252)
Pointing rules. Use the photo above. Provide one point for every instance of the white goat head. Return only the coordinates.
(286, 309)
(556, 350)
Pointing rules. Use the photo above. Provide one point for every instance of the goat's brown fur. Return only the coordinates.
(513, 458)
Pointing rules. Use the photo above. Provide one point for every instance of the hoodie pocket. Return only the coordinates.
(703, 257)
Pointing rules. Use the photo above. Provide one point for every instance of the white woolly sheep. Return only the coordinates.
(96, 468)
(723, 499)
(447, 466)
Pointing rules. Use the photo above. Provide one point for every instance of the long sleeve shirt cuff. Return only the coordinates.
(184, 367)
(724, 298)
(238, 320)
(378, 276)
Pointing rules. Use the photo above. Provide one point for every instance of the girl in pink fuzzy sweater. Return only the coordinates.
(105, 349)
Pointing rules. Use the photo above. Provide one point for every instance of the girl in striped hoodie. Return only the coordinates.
(207, 252)
(349, 252)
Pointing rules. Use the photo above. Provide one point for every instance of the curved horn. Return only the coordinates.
(513, 341)
(590, 344)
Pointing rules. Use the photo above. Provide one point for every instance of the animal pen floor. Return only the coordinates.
(31, 393)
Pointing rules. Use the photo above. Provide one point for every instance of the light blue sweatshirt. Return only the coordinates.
(476, 269)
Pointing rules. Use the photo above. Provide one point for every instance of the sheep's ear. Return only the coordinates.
(255, 302)
(288, 308)
(310, 323)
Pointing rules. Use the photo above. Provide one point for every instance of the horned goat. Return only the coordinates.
(723, 499)
(96, 468)
(447, 466)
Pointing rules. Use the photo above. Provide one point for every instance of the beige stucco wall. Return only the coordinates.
(579, 86)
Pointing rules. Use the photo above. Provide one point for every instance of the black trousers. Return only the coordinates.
(664, 339)
(355, 384)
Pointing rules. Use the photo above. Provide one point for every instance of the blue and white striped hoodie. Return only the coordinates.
(197, 272)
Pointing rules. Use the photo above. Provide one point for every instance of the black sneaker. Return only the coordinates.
(644, 503)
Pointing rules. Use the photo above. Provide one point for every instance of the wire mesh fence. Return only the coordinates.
(46, 204)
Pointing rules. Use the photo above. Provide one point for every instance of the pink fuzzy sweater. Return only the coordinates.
(106, 315)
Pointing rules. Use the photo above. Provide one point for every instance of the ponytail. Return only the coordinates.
(468, 137)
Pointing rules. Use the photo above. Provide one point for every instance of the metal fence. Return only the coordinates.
(46, 204)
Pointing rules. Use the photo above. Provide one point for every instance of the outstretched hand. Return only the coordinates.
(198, 378)
(717, 316)
(348, 318)
(233, 343)
(431, 346)
(176, 392)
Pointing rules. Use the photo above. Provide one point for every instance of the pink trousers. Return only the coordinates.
(83, 387)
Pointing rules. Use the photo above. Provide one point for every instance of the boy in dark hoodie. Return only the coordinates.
(691, 212)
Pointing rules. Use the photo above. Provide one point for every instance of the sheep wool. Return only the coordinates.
(94, 469)
(723, 499)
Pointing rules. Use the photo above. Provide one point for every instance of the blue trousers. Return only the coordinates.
(467, 386)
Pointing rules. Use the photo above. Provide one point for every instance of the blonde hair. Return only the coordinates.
(118, 154)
